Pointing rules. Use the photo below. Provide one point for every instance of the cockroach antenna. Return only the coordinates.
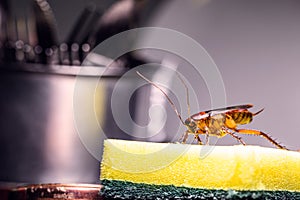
(187, 93)
(164, 93)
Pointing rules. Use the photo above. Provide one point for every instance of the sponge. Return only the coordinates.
(145, 170)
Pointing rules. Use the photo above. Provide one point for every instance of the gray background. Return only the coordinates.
(255, 45)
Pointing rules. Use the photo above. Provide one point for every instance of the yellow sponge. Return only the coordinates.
(238, 167)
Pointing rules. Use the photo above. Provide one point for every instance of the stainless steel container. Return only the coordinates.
(46, 122)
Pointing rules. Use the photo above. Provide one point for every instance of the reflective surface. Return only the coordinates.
(39, 141)
(52, 192)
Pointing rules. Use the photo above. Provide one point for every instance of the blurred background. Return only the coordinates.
(255, 45)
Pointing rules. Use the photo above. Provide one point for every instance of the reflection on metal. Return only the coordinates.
(39, 140)
(55, 191)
